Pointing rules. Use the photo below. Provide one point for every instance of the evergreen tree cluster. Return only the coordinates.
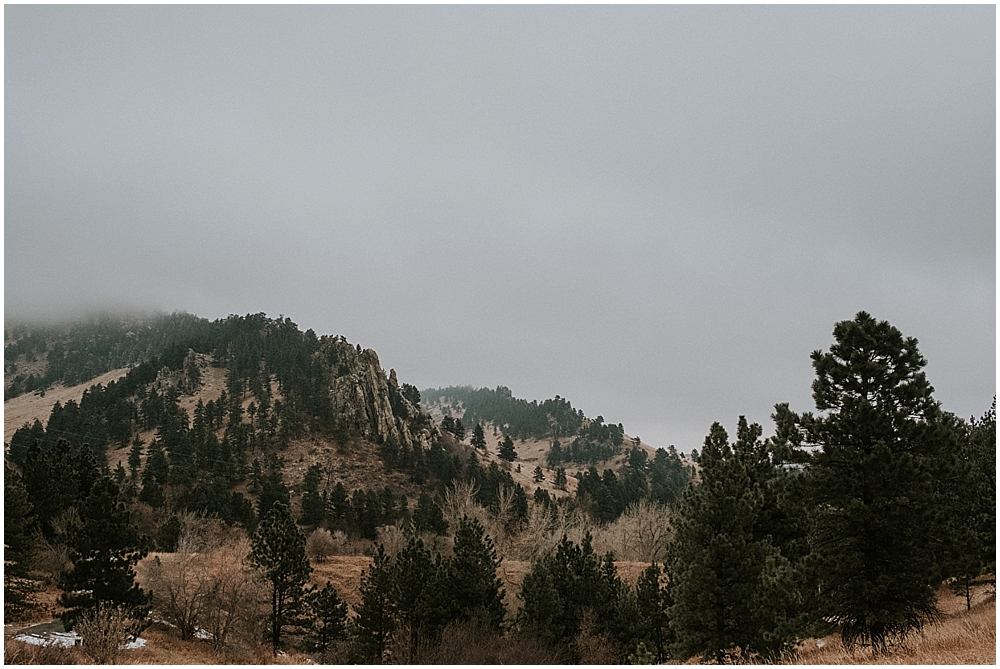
(418, 593)
(573, 581)
(552, 418)
(607, 495)
(845, 521)
(84, 349)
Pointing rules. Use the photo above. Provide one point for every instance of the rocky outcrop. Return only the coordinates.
(368, 402)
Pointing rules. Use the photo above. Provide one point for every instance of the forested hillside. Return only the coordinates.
(243, 452)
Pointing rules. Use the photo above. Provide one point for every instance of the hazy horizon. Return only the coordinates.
(656, 212)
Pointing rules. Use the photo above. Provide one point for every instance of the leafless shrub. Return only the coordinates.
(641, 534)
(51, 558)
(460, 501)
(234, 614)
(544, 530)
(64, 523)
(392, 537)
(201, 534)
(591, 646)
(472, 642)
(321, 544)
(105, 632)
(17, 652)
(181, 589)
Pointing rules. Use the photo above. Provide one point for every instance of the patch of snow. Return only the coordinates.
(820, 644)
(68, 640)
(61, 639)
(203, 634)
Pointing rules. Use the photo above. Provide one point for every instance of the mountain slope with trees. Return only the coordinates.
(244, 452)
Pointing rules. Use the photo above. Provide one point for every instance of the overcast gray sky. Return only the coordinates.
(654, 211)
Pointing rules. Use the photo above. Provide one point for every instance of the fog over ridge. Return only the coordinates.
(656, 212)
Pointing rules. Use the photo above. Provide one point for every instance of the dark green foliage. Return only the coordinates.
(417, 594)
(87, 348)
(519, 418)
(58, 478)
(278, 550)
(560, 587)
(652, 603)
(411, 393)
(538, 475)
(973, 507)
(478, 438)
(375, 618)
(272, 488)
(428, 517)
(313, 503)
(327, 618)
(731, 590)
(473, 588)
(104, 549)
(18, 545)
(560, 478)
(507, 451)
(876, 483)
(169, 534)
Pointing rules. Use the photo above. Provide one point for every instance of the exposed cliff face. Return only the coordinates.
(371, 404)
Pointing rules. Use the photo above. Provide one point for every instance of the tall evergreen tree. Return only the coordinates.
(278, 549)
(376, 617)
(507, 451)
(973, 508)
(478, 437)
(104, 549)
(327, 618)
(471, 575)
(652, 604)
(17, 542)
(875, 483)
(313, 503)
(731, 590)
(414, 576)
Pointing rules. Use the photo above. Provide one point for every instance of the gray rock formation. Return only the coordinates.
(369, 403)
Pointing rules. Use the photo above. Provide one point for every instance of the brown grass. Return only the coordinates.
(29, 406)
(961, 637)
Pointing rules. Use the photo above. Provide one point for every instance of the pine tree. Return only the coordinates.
(538, 475)
(731, 589)
(428, 517)
(104, 548)
(414, 574)
(652, 603)
(561, 586)
(875, 483)
(135, 457)
(561, 478)
(376, 617)
(327, 618)
(478, 437)
(17, 541)
(313, 504)
(278, 549)
(471, 575)
(973, 508)
(507, 451)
